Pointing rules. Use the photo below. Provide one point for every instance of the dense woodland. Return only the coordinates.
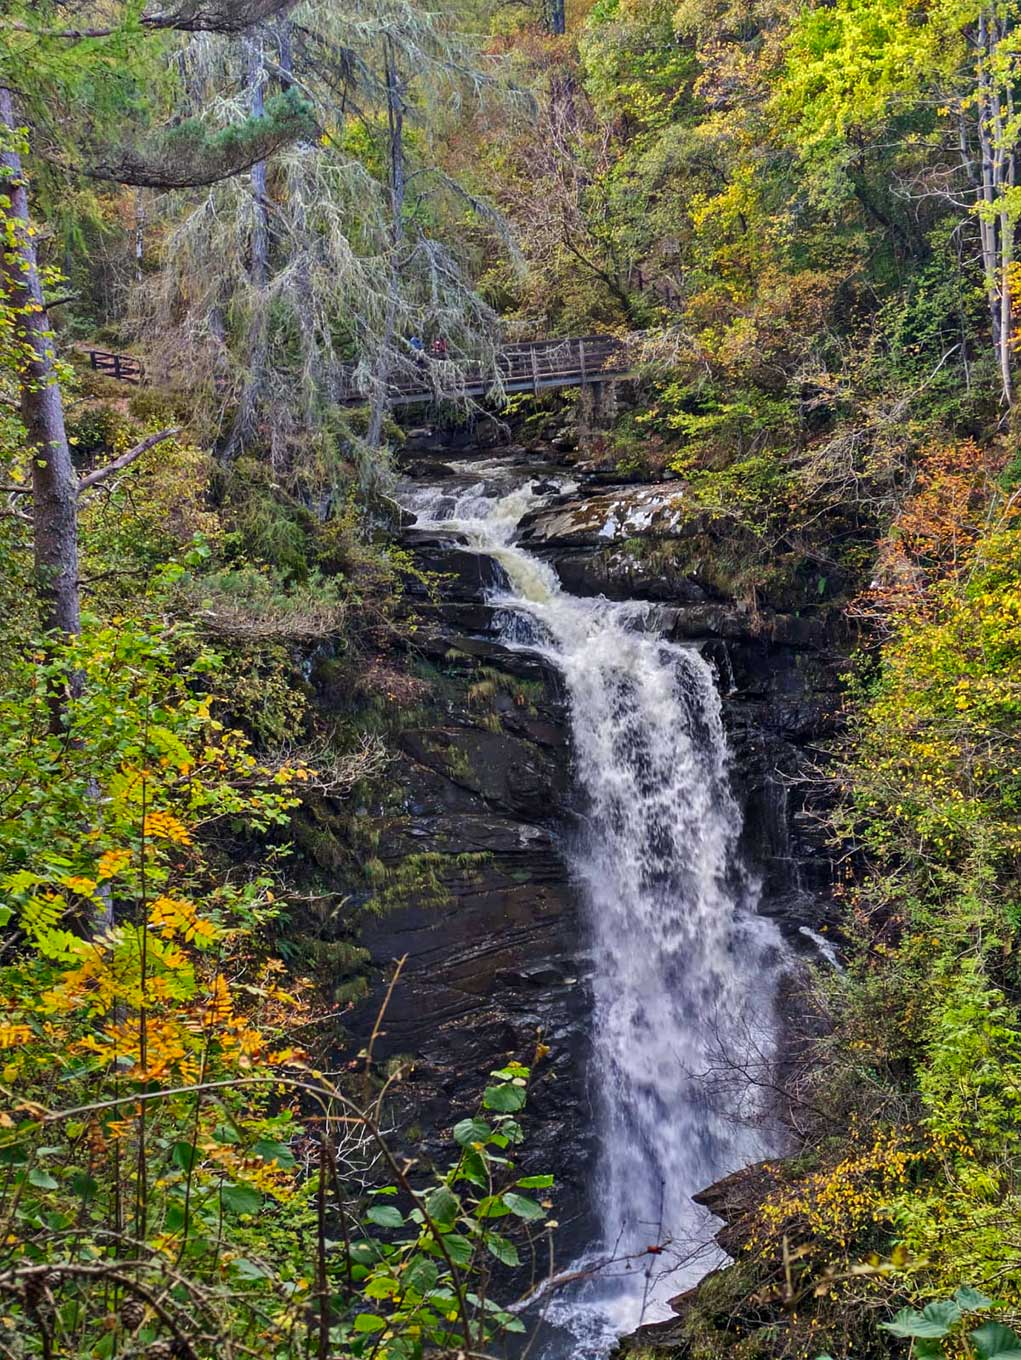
(801, 219)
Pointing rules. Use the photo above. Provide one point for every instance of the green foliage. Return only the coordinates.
(189, 153)
(160, 1095)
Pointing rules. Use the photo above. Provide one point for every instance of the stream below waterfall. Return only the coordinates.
(685, 972)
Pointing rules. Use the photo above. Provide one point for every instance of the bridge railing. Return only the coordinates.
(123, 366)
(530, 365)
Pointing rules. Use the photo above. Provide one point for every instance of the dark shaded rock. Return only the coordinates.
(461, 617)
(735, 1200)
(619, 575)
(507, 773)
(466, 575)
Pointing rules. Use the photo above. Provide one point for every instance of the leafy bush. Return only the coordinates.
(178, 1176)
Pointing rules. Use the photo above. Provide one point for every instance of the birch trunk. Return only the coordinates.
(54, 481)
(997, 174)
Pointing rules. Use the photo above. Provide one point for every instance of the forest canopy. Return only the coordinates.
(797, 220)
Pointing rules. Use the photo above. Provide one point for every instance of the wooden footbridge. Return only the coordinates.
(528, 366)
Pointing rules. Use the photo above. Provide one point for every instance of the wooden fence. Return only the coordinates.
(123, 366)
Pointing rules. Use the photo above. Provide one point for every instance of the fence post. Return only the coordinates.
(535, 370)
(116, 365)
(581, 356)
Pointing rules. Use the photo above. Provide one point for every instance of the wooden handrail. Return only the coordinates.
(124, 367)
(529, 365)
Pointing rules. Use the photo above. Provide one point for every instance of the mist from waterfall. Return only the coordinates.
(684, 970)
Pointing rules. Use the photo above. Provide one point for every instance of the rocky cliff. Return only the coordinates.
(496, 963)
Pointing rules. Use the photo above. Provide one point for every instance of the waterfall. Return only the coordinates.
(684, 970)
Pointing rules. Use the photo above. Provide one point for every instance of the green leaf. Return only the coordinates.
(369, 1322)
(472, 1168)
(968, 1299)
(505, 1099)
(996, 1342)
(421, 1275)
(459, 1249)
(928, 1348)
(522, 1206)
(184, 1156)
(382, 1287)
(84, 1185)
(366, 1252)
(385, 1216)
(502, 1248)
(249, 1270)
(271, 1151)
(241, 1199)
(491, 1207)
(935, 1319)
(469, 1131)
(442, 1206)
(535, 1182)
(42, 1180)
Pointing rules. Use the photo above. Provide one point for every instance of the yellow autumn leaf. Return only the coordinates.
(165, 826)
(111, 862)
(80, 884)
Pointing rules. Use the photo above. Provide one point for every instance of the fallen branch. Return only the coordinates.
(126, 459)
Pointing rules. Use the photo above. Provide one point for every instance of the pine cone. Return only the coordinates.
(132, 1314)
(160, 1350)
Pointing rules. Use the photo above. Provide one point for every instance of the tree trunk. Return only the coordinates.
(997, 174)
(556, 17)
(54, 482)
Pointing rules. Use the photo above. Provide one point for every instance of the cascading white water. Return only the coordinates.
(684, 971)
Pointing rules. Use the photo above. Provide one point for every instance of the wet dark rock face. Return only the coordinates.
(494, 962)
(497, 964)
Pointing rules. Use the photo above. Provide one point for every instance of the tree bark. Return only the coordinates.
(556, 17)
(54, 482)
(996, 231)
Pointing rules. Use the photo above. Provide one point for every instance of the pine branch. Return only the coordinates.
(192, 16)
(190, 155)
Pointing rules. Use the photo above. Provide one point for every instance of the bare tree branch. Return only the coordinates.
(126, 459)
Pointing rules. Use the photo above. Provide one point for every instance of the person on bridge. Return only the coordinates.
(439, 348)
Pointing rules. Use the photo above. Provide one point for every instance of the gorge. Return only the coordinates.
(510, 729)
(658, 983)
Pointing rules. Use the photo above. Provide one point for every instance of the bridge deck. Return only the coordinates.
(530, 366)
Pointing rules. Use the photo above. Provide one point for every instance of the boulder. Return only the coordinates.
(611, 516)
